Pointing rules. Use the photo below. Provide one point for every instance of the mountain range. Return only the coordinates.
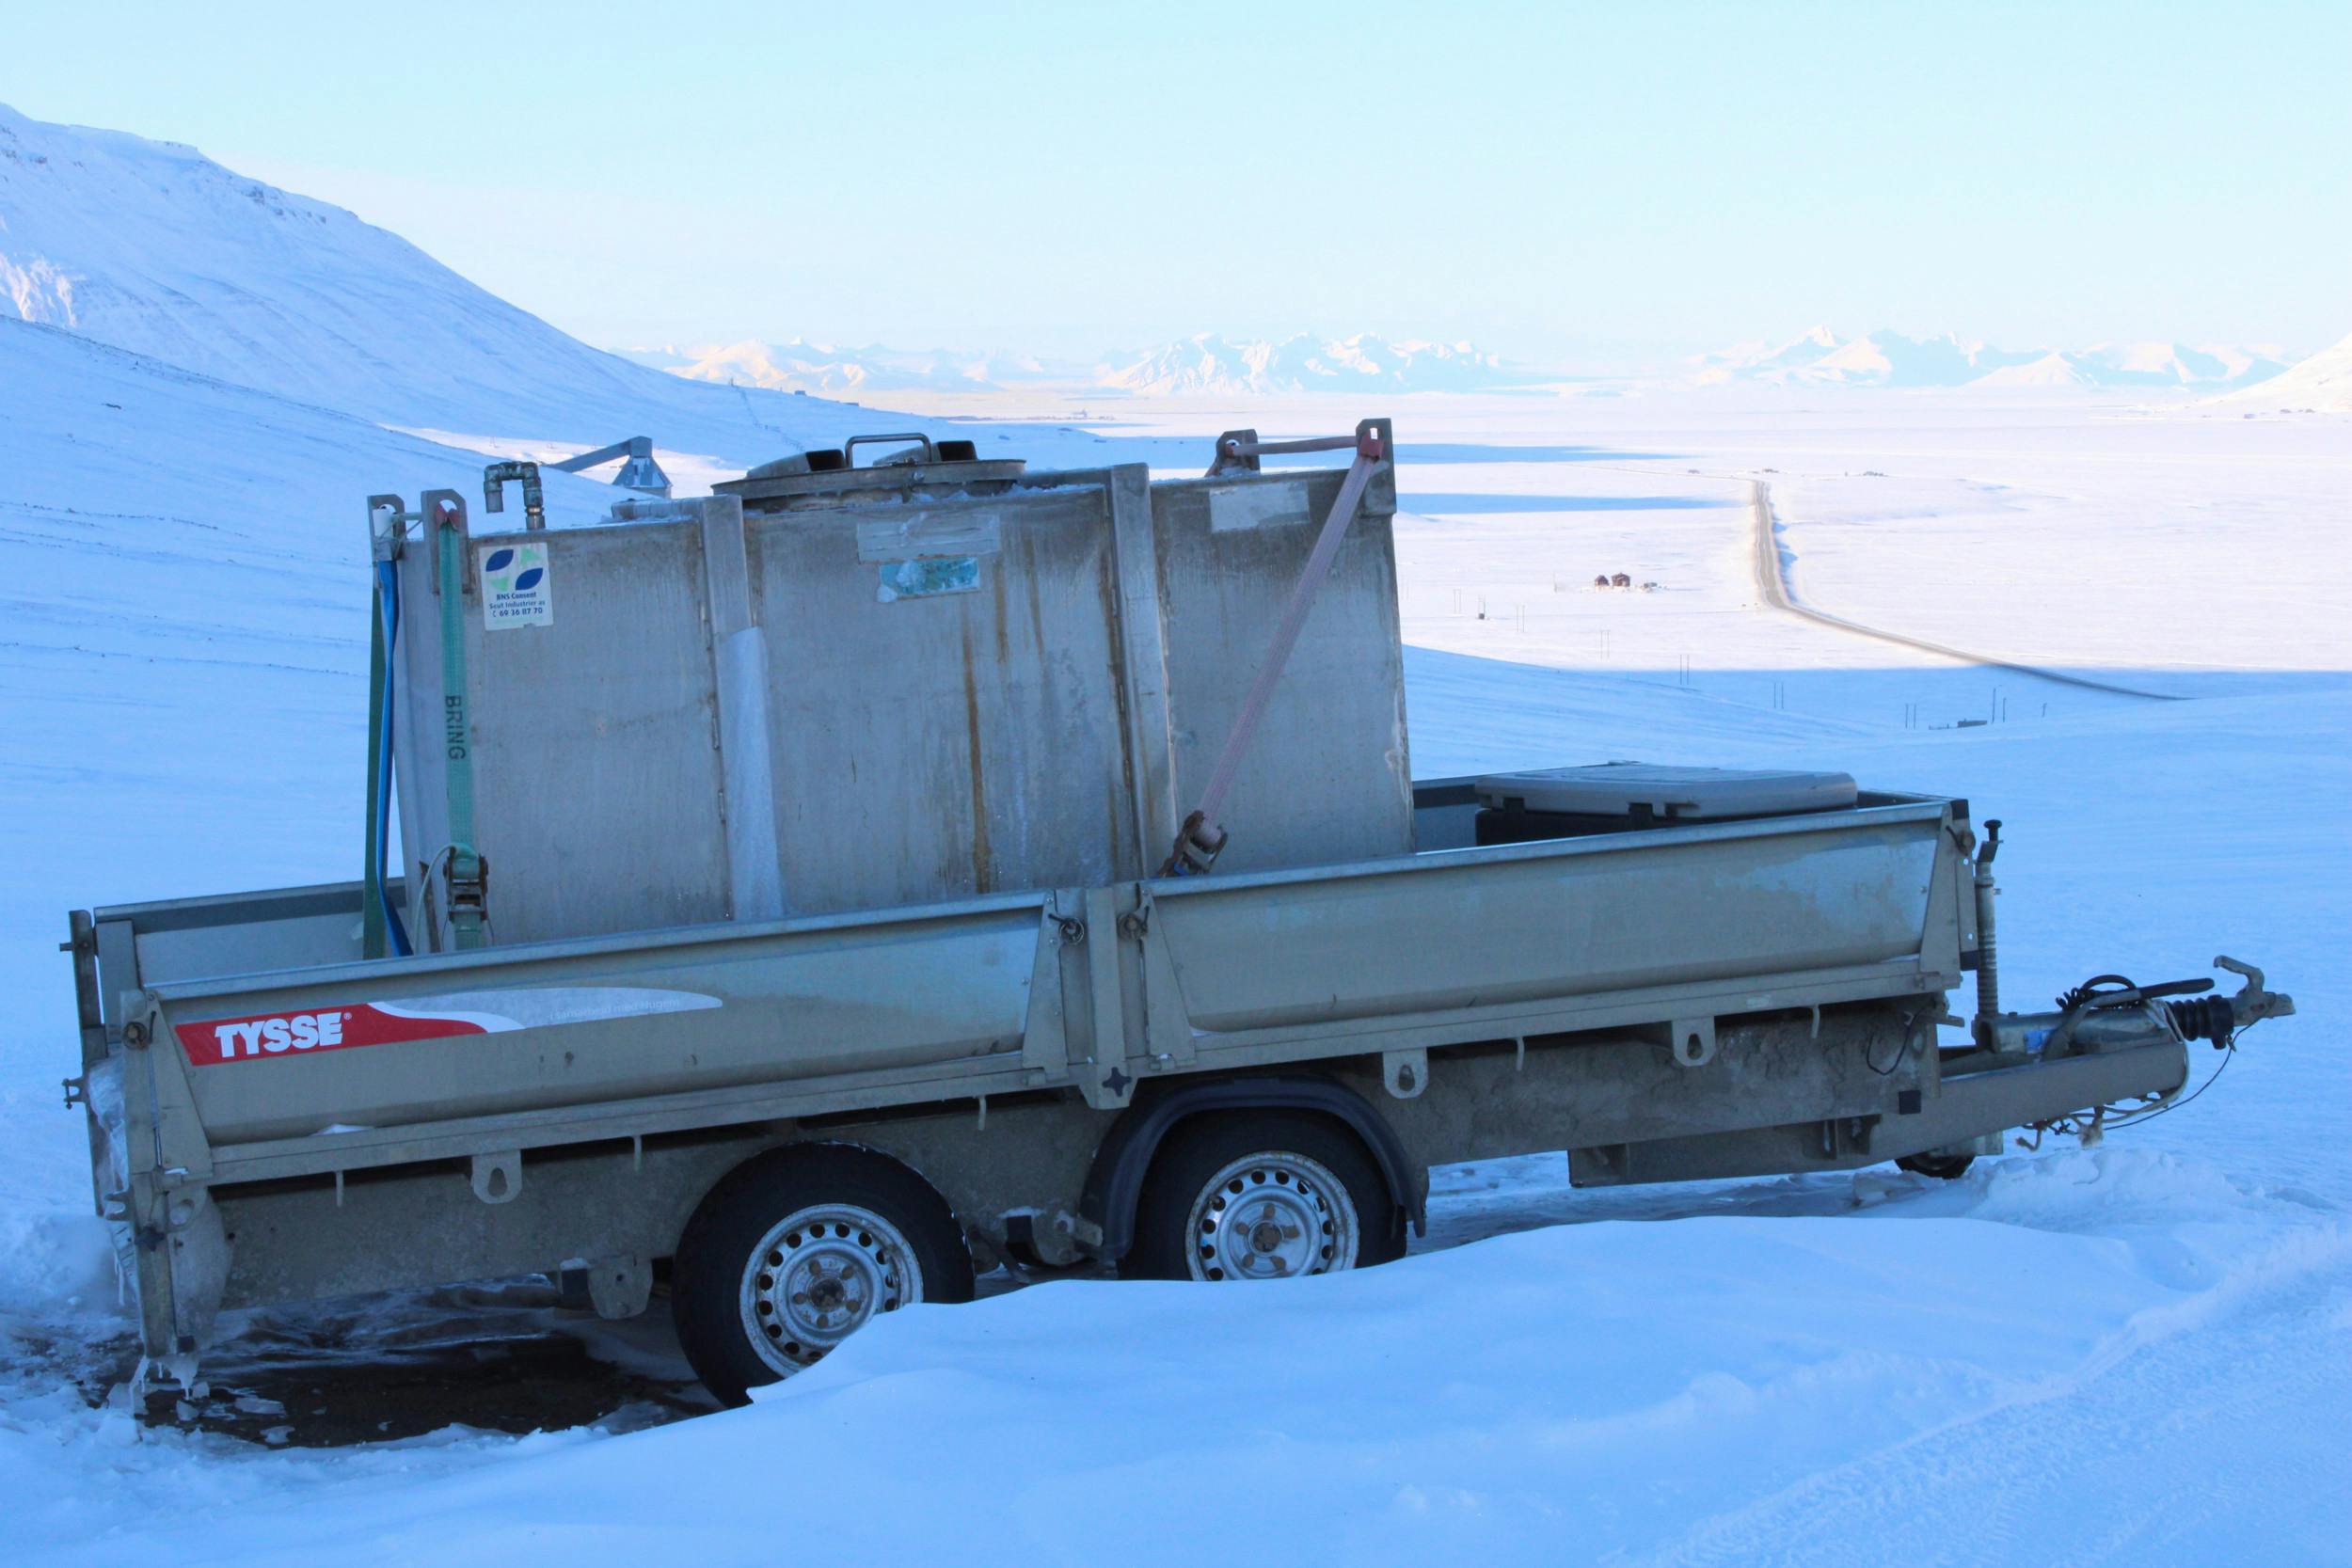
(1821, 357)
(1210, 365)
(1203, 365)
(152, 248)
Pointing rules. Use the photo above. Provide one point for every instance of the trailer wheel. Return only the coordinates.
(794, 1251)
(1262, 1194)
(1943, 1167)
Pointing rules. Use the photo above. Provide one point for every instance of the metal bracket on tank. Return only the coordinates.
(387, 526)
(1240, 450)
(429, 511)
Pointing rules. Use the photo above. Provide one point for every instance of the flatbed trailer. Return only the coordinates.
(273, 1119)
(794, 1124)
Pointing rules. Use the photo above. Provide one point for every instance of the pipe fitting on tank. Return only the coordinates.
(494, 479)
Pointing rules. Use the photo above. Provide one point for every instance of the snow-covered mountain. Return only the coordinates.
(1821, 357)
(1204, 364)
(2322, 382)
(1209, 364)
(800, 366)
(153, 248)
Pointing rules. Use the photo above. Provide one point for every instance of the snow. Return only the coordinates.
(1884, 359)
(1203, 365)
(1711, 1388)
(2323, 383)
(799, 366)
(2053, 369)
(2136, 1354)
(1944, 1375)
(1208, 365)
(153, 248)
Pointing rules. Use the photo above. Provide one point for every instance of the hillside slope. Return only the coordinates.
(2322, 382)
(152, 248)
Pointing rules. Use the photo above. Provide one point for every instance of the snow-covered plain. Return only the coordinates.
(2141, 1354)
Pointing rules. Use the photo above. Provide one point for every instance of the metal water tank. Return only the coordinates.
(833, 687)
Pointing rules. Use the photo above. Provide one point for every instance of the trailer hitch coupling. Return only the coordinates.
(2253, 1003)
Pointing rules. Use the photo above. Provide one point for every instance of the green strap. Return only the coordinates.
(465, 863)
(371, 934)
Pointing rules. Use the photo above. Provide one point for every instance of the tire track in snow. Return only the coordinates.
(1772, 586)
(2206, 1419)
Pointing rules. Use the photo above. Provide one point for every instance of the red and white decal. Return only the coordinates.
(260, 1037)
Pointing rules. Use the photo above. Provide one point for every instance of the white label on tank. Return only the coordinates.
(918, 534)
(514, 587)
(1258, 505)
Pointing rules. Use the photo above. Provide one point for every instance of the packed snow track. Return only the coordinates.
(1772, 587)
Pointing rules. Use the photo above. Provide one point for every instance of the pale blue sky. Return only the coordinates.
(1590, 182)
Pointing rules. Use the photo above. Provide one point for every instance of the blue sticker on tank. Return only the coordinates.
(929, 574)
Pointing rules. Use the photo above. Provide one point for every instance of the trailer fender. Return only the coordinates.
(1115, 1183)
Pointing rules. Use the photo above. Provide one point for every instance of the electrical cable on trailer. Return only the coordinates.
(1912, 1037)
(2209, 1018)
(2229, 1049)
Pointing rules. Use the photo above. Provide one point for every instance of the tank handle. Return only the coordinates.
(848, 448)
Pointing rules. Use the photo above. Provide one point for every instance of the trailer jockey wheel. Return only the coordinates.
(794, 1251)
(1943, 1167)
(1262, 1194)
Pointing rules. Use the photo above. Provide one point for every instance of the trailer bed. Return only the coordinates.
(544, 1044)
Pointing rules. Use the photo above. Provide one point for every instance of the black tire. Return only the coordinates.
(1943, 1167)
(714, 1268)
(1201, 1147)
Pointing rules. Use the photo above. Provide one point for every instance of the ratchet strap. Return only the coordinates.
(468, 878)
(1200, 838)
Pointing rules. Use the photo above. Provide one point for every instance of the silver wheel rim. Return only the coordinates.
(1271, 1215)
(817, 1276)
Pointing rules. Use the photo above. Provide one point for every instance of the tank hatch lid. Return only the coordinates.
(831, 474)
(1656, 792)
